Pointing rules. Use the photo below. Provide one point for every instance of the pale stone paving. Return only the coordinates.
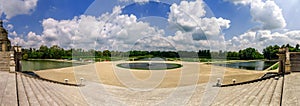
(291, 92)
(37, 92)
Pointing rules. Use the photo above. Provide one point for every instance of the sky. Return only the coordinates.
(123, 25)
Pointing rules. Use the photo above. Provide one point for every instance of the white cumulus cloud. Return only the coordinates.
(118, 32)
(195, 29)
(263, 38)
(236, 2)
(267, 13)
(190, 16)
(12, 8)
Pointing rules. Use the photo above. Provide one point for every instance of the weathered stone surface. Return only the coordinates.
(5, 44)
(48, 94)
(258, 93)
(291, 92)
(38, 92)
(8, 89)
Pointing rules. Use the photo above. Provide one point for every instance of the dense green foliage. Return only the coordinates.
(245, 54)
(56, 52)
(250, 54)
(270, 52)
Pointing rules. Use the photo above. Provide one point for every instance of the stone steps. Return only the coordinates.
(295, 62)
(277, 93)
(255, 90)
(239, 90)
(252, 98)
(226, 94)
(245, 96)
(4, 61)
(37, 92)
(57, 92)
(263, 96)
(266, 92)
(32, 98)
(51, 94)
(3, 83)
(46, 93)
(4, 67)
(266, 100)
(21, 91)
(9, 96)
(72, 92)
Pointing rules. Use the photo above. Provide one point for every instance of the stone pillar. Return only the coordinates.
(287, 64)
(3, 47)
(12, 64)
(282, 57)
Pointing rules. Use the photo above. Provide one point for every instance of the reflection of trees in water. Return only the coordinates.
(37, 65)
(254, 65)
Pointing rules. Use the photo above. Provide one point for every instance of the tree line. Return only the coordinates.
(56, 52)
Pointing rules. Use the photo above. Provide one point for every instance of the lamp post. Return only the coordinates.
(18, 57)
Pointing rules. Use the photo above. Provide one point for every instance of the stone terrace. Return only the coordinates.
(263, 93)
(35, 92)
(16, 88)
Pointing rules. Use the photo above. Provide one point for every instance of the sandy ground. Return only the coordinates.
(190, 74)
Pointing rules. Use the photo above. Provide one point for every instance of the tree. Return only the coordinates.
(297, 48)
(233, 55)
(25, 56)
(270, 52)
(204, 54)
(44, 52)
(249, 54)
(106, 53)
(56, 52)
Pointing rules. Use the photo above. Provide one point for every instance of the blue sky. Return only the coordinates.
(68, 9)
(242, 21)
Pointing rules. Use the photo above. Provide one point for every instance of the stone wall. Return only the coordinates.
(6, 62)
(289, 61)
(294, 58)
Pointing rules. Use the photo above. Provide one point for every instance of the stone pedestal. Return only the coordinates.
(12, 63)
(289, 61)
(282, 57)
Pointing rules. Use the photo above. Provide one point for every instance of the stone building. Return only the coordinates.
(4, 41)
(6, 54)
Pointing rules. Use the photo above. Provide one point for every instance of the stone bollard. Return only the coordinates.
(12, 64)
(218, 82)
(81, 81)
(276, 78)
(66, 80)
(233, 81)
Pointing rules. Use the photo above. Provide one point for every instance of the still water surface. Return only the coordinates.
(253, 65)
(36, 65)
